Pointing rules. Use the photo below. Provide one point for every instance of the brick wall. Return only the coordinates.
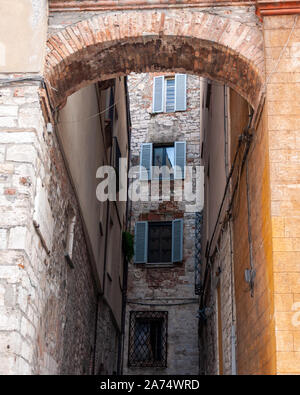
(224, 44)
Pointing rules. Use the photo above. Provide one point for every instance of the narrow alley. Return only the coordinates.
(149, 178)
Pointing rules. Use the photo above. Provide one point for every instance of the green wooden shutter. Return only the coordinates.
(146, 161)
(177, 240)
(180, 160)
(158, 94)
(180, 90)
(141, 242)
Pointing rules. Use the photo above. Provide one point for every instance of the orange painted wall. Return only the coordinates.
(282, 52)
(254, 315)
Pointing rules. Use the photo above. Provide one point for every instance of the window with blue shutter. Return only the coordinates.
(177, 240)
(169, 93)
(146, 161)
(158, 94)
(180, 92)
(141, 242)
(163, 159)
(158, 242)
(180, 160)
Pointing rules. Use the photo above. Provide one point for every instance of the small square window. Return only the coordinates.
(148, 339)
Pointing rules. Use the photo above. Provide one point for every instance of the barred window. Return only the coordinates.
(148, 339)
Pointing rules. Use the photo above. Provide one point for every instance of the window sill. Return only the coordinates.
(165, 112)
(160, 265)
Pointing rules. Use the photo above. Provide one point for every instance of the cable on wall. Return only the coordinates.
(245, 140)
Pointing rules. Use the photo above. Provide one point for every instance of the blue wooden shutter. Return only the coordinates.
(177, 240)
(141, 242)
(146, 161)
(158, 94)
(170, 94)
(180, 160)
(180, 89)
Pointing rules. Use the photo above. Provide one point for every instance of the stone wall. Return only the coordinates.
(174, 284)
(47, 308)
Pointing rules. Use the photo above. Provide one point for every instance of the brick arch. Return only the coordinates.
(106, 46)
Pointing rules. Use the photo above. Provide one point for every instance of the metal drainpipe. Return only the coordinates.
(125, 271)
(233, 336)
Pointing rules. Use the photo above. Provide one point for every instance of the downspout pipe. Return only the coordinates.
(125, 263)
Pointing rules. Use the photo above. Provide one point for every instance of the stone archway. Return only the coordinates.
(194, 42)
(104, 46)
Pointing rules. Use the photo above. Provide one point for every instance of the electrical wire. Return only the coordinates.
(106, 109)
(246, 138)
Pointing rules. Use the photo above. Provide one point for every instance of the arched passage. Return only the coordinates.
(192, 42)
(104, 46)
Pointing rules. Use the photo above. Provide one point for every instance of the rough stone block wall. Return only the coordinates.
(282, 51)
(47, 308)
(174, 284)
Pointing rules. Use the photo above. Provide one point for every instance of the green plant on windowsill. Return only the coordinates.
(127, 245)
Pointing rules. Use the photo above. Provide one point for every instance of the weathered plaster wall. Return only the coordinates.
(47, 309)
(217, 328)
(84, 148)
(23, 33)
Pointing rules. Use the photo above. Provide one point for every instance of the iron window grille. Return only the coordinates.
(148, 339)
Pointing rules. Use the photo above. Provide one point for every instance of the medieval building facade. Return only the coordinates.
(161, 315)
